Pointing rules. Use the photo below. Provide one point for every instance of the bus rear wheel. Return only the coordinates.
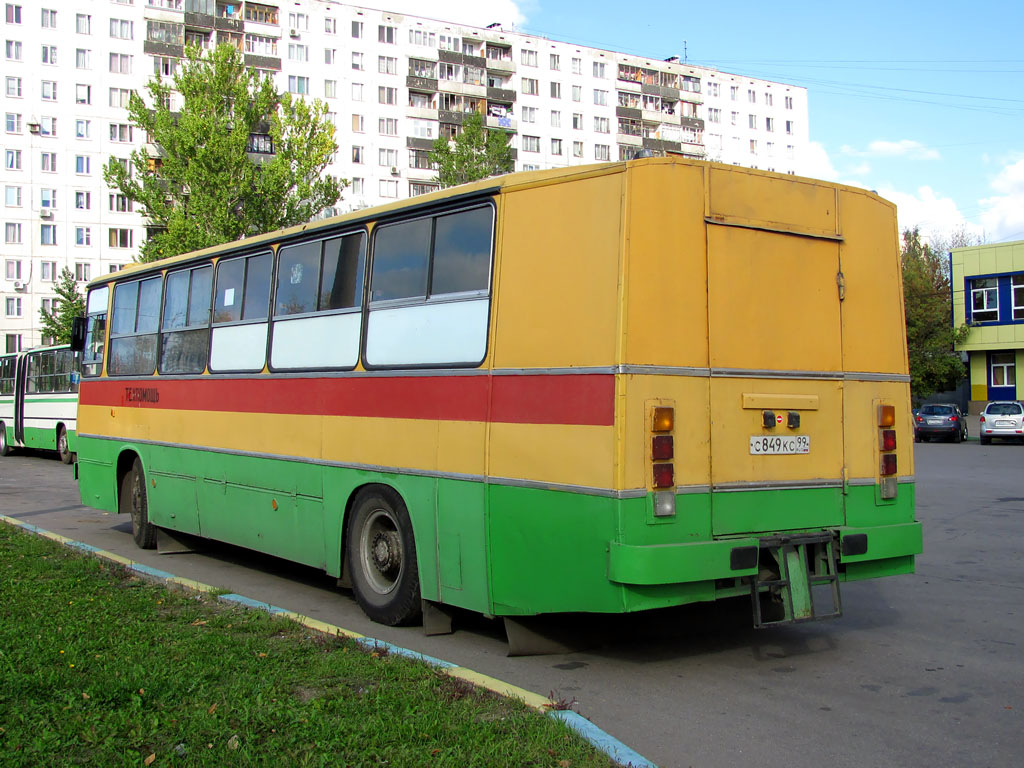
(381, 556)
(5, 449)
(133, 501)
(62, 446)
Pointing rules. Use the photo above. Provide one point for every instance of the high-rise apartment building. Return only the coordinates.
(393, 84)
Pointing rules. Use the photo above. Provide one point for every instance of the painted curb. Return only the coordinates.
(601, 740)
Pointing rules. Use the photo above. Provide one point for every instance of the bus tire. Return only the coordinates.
(5, 448)
(381, 556)
(134, 501)
(62, 445)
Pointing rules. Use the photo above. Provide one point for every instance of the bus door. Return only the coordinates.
(775, 353)
(20, 384)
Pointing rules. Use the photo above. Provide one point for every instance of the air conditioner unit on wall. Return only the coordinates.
(394, 171)
(46, 214)
(18, 285)
(293, 33)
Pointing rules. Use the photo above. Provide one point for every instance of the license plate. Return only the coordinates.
(935, 421)
(1004, 423)
(765, 445)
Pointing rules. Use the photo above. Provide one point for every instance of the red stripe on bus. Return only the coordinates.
(519, 399)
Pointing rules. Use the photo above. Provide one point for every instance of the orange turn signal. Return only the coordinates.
(664, 419)
(886, 415)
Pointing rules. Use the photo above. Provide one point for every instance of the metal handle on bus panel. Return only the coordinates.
(841, 284)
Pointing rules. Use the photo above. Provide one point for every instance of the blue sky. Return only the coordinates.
(921, 101)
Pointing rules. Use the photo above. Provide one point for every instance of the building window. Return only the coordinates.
(12, 269)
(531, 143)
(121, 204)
(421, 188)
(120, 132)
(985, 300)
(83, 24)
(387, 126)
(387, 95)
(47, 234)
(13, 88)
(49, 20)
(556, 119)
(388, 188)
(357, 91)
(752, 122)
(1004, 369)
(120, 63)
(600, 69)
(83, 200)
(602, 152)
(600, 97)
(298, 52)
(529, 58)
(12, 197)
(83, 236)
(577, 66)
(49, 54)
(357, 29)
(1017, 289)
(13, 306)
(789, 102)
(13, 17)
(358, 124)
(602, 125)
(49, 90)
(529, 114)
(48, 162)
(386, 34)
(577, 93)
(121, 29)
(714, 115)
(387, 65)
(298, 21)
(556, 147)
(556, 90)
(357, 60)
(13, 122)
(14, 339)
(555, 62)
(82, 165)
(298, 84)
(387, 158)
(12, 233)
(331, 89)
(83, 272)
(48, 198)
(48, 271)
(769, 124)
(577, 149)
(357, 154)
(119, 237)
(12, 159)
(789, 127)
(530, 86)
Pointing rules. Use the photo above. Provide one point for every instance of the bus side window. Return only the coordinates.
(429, 290)
(238, 341)
(317, 323)
(95, 331)
(185, 330)
(133, 333)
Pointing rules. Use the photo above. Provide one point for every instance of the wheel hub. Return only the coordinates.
(386, 552)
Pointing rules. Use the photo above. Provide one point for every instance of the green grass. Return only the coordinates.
(101, 668)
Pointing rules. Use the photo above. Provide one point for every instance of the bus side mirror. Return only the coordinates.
(78, 325)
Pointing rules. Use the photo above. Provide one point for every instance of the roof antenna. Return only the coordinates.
(684, 51)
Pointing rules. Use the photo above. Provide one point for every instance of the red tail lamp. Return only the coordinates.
(662, 447)
(664, 476)
(888, 442)
(888, 467)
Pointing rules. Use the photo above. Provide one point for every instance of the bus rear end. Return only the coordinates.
(767, 403)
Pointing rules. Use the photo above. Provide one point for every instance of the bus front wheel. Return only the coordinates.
(5, 449)
(133, 501)
(381, 555)
(62, 446)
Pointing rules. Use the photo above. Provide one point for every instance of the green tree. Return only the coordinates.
(69, 305)
(203, 186)
(934, 366)
(475, 153)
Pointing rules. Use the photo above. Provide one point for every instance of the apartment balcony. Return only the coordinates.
(200, 20)
(466, 89)
(630, 139)
(661, 145)
(500, 94)
(451, 57)
(456, 118)
(631, 86)
(425, 84)
(421, 113)
(692, 122)
(506, 123)
(660, 90)
(413, 142)
(228, 24)
(263, 62)
(505, 66)
(628, 112)
(421, 174)
(163, 49)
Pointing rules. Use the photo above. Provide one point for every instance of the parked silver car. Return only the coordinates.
(1002, 418)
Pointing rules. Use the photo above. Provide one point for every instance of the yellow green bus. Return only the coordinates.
(606, 389)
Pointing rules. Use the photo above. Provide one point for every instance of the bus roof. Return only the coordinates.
(493, 185)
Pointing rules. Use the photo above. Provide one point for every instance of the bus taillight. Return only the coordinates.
(663, 420)
(662, 447)
(664, 476)
(887, 451)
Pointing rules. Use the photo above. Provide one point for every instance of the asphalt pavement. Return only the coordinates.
(921, 670)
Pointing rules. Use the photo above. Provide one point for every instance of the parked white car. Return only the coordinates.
(1002, 418)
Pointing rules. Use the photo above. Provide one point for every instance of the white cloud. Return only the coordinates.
(817, 164)
(932, 214)
(908, 148)
(1003, 214)
(477, 13)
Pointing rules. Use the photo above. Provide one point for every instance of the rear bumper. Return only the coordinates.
(709, 560)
